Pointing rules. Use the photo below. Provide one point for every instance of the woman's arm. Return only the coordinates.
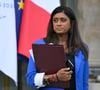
(31, 71)
(85, 75)
(33, 78)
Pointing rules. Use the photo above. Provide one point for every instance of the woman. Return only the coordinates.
(63, 30)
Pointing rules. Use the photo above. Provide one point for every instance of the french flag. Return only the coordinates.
(34, 23)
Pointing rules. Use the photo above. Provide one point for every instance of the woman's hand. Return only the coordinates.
(64, 74)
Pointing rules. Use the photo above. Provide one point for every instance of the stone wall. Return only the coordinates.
(89, 25)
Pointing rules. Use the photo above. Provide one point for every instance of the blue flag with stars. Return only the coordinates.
(19, 5)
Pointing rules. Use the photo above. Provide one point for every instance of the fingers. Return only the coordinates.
(64, 74)
(67, 70)
(68, 77)
(64, 77)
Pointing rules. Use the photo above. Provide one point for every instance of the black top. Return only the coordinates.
(72, 81)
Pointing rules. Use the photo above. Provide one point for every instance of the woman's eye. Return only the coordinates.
(55, 20)
(63, 19)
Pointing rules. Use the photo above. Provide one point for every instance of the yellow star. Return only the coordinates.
(21, 4)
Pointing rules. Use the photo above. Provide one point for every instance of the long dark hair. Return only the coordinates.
(74, 40)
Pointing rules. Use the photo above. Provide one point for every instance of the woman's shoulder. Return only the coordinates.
(39, 41)
(80, 53)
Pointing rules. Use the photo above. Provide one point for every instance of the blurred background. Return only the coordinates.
(88, 14)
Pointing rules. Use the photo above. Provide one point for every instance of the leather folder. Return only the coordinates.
(49, 59)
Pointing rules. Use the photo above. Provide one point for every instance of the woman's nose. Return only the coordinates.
(59, 22)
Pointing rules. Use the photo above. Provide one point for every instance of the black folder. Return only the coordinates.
(49, 59)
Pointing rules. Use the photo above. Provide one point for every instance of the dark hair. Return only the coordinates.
(74, 40)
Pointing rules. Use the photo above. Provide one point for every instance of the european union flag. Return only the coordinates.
(19, 5)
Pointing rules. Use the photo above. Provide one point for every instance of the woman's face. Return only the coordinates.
(61, 23)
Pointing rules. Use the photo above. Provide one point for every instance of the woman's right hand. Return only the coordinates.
(64, 74)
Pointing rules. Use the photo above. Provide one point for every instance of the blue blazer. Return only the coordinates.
(81, 71)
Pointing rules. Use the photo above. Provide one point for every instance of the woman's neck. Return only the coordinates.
(62, 38)
(63, 41)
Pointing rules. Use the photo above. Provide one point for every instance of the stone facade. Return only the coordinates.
(89, 25)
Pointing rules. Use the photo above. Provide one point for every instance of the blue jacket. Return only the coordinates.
(81, 71)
